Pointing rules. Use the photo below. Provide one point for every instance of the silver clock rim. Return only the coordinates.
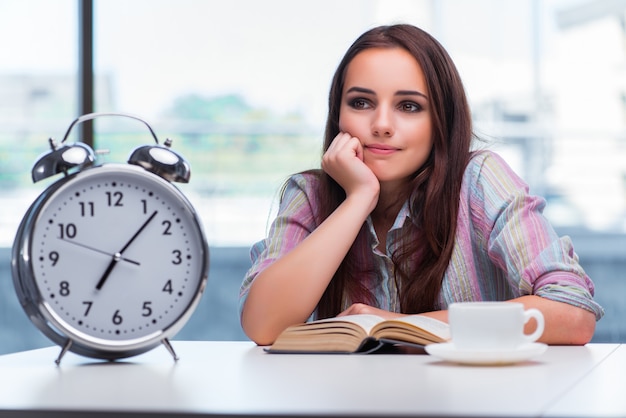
(49, 322)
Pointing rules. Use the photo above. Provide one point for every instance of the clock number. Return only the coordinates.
(86, 209)
(117, 318)
(168, 287)
(177, 257)
(144, 203)
(115, 199)
(68, 231)
(147, 310)
(64, 288)
(167, 225)
(88, 303)
(54, 257)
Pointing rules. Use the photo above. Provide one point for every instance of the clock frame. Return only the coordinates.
(111, 260)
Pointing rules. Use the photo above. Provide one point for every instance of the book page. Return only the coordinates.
(343, 334)
(415, 328)
(365, 321)
(432, 325)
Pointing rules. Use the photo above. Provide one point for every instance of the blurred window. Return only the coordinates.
(38, 88)
(240, 86)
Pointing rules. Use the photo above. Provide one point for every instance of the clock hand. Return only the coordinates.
(99, 251)
(138, 232)
(112, 264)
(118, 256)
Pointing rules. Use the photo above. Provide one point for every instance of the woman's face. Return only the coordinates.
(385, 105)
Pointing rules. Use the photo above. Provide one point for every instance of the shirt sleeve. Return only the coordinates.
(294, 221)
(522, 242)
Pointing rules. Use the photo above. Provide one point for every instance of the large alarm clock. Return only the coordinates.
(111, 260)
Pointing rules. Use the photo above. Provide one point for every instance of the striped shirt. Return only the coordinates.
(504, 246)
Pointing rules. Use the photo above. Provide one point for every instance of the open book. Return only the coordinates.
(359, 334)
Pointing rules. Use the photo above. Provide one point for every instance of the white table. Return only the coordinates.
(239, 379)
(601, 393)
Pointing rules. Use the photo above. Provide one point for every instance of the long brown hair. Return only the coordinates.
(434, 190)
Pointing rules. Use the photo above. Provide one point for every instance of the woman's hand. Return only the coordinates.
(275, 300)
(361, 308)
(343, 161)
(565, 323)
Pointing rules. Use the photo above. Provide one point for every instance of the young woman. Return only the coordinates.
(403, 218)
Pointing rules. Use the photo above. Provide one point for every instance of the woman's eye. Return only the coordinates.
(410, 107)
(359, 103)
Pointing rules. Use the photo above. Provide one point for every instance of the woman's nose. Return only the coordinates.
(382, 124)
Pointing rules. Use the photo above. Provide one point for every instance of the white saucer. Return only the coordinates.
(448, 352)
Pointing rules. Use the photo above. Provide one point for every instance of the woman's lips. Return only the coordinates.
(381, 149)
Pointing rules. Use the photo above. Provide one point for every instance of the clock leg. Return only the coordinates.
(169, 348)
(66, 347)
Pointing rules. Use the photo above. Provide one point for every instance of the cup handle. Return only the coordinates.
(534, 313)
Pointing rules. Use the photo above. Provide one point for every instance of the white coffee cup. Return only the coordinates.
(492, 325)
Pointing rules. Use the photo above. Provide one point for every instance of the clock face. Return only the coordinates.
(117, 255)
